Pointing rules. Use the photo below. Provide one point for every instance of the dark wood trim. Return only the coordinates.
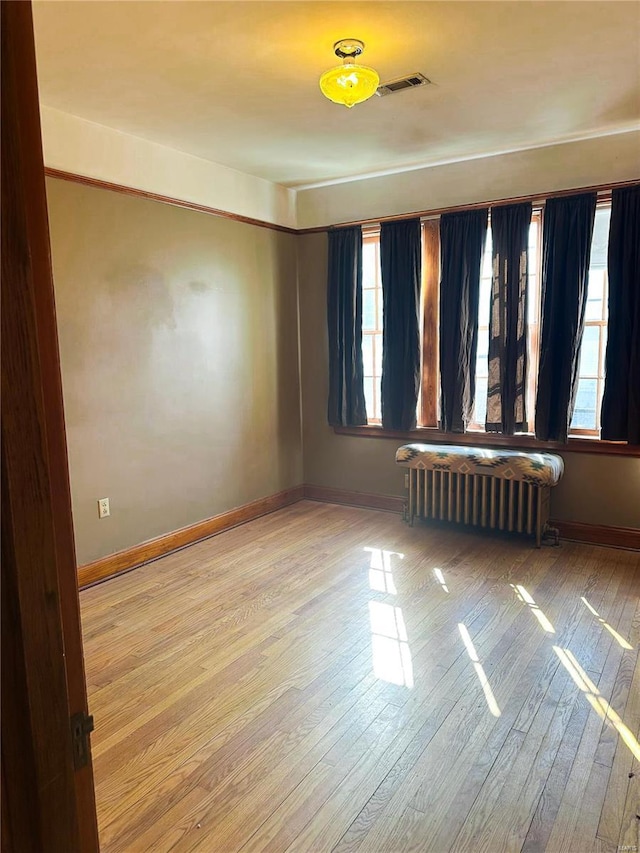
(131, 558)
(599, 534)
(97, 183)
(429, 349)
(484, 439)
(326, 494)
(538, 200)
(46, 803)
(603, 189)
(594, 534)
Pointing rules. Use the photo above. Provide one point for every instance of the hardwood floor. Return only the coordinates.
(327, 678)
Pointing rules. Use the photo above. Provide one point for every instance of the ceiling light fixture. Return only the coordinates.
(349, 83)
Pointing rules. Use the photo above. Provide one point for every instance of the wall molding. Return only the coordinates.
(326, 494)
(131, 558)
(593, 534)
(138, 555)
(604, 190)
(98, 183)
(599, 534)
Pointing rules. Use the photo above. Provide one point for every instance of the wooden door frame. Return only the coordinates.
(46, 803)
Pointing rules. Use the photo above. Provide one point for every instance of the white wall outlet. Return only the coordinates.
(103, 508)
(406, 480)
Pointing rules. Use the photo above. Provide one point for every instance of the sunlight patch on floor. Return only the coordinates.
(380, 574)
(526, 597)
(440, 579)
(389, 641)
(596, 700)
(620, 640)
(482, 676)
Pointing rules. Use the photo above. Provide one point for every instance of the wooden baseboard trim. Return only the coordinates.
(325, 494)
(594, 534)
(599, 534)
(131, 558)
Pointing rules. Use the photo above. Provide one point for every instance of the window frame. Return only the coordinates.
(372, 236)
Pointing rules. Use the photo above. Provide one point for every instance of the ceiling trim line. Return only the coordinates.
(538, 199)
(98, 183)
(453, 161)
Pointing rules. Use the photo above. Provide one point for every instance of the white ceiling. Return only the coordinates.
(237, 82)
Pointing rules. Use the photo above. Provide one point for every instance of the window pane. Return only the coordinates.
(533, 296)
(481, 401)
(600, 239)
(584, 415)
(595, 294)
(367, 355)
(482, 366)
(378, 355)
(368, 264)
(368, 397)
(368, 309)
(484, 305)
(487, 260)
(379, 305)
(589, 351)
(485, 282)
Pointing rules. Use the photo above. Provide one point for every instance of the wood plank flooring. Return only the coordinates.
(328, 679)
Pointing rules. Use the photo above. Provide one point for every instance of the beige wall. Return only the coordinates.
(73, 144)
(595, 489)
(179, 349)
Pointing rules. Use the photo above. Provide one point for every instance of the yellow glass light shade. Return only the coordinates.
(349, 84)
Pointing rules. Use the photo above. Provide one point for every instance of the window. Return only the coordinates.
(586, 417)
(586, 414)
(372, 324)
(533, 324)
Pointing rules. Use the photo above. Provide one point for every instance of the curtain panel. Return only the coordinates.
(462, 238)
(566, 246)
(346, 405)
(621, 402)
(400, 265)
(507, 390)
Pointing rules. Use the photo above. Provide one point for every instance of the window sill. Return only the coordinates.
(484, 439)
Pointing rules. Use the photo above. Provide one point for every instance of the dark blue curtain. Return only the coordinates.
(566, 246)
(344, 318)
(400, 264)
(462, 237)
(507, 386)
(621, 402)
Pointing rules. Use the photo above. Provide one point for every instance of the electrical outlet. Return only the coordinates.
(103, 508)
(406, 481)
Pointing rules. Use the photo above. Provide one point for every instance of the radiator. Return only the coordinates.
(479, 500)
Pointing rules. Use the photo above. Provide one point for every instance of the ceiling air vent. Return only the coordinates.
(402, 83)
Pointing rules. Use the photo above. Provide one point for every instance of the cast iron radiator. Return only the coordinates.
(478, 499)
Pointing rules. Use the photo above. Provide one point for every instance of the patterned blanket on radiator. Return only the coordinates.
(539, 469)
